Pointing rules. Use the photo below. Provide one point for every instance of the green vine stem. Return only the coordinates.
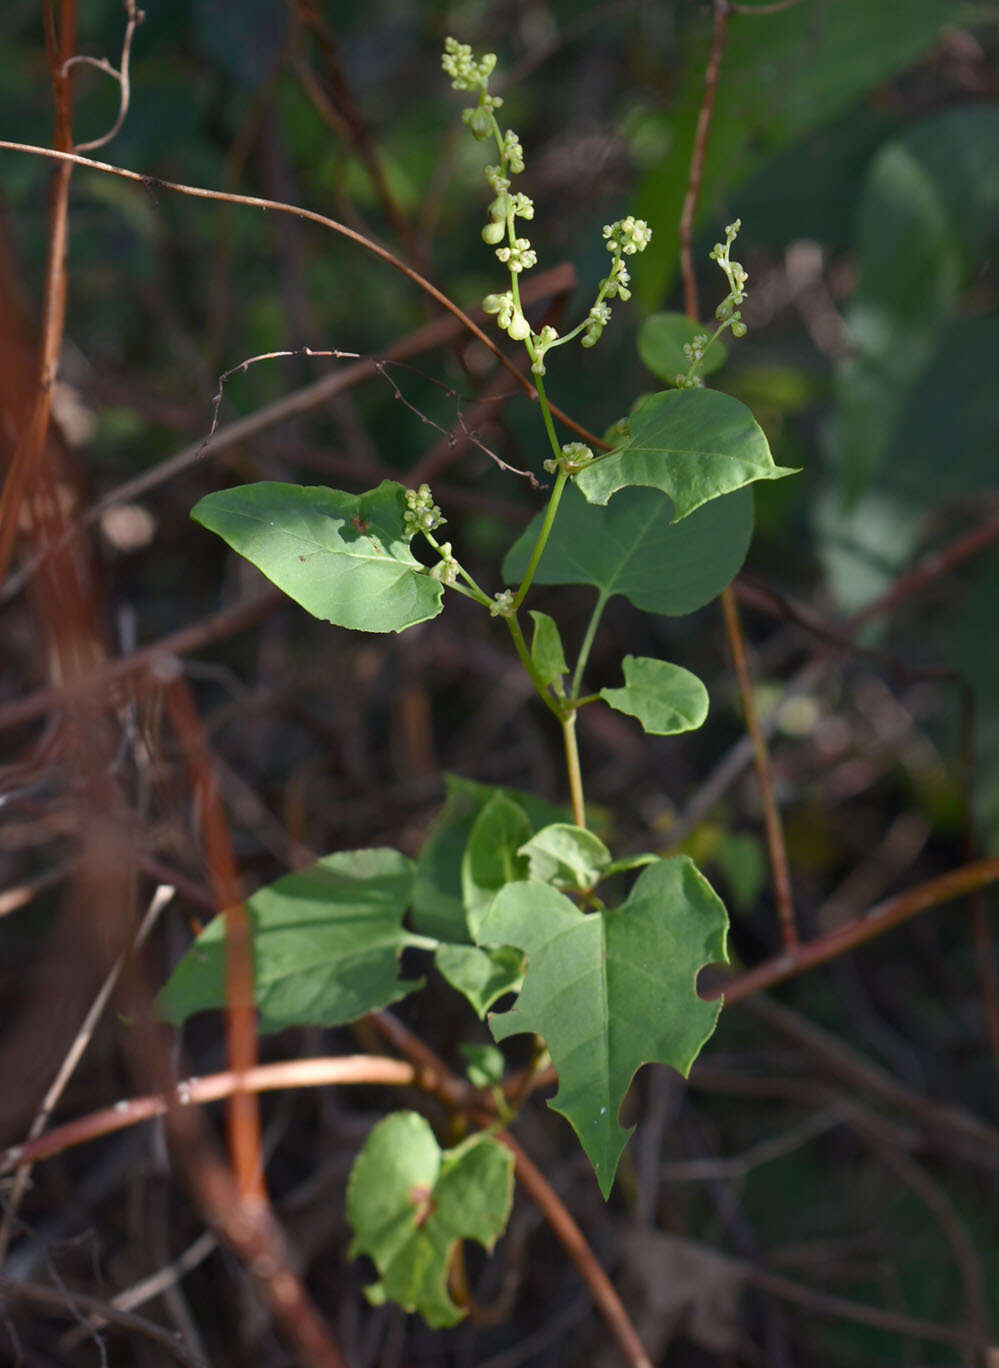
(587, 646)
(554, 500)
(572, 767)
(529, 666)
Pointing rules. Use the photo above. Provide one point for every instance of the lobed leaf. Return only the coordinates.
(665, 698)
(342, 557)
(410, 1204)
(610, 991)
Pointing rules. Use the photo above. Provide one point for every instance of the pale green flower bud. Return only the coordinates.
(519, 328)
(493, 233)
(479, 121)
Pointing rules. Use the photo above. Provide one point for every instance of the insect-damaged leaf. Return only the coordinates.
(610, 991)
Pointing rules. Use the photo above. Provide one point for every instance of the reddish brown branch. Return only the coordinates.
(686, 228)
(294, 1073)
(776, 846)
(30, 447)
(764, 773)
(240, 1014)
(575, 1245)
(887, 915)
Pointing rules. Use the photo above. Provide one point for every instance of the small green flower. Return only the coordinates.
(520, 257)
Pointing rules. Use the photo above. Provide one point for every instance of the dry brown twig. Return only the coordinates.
(120, 74)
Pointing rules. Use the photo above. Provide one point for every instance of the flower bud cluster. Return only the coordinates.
(627, 236)
(465, 72)
(736, 275)
(422, 514)
(597, 319)
(623, 238)
(575, 455)
(502, 604)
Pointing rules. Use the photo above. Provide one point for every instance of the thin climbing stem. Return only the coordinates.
(587, 646)
(554, 499)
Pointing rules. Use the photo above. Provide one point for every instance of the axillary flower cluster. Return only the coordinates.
(623, 238)
(727, 314)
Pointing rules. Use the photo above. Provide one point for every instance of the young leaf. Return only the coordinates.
(343, 557)
(665, 698)
(410, 1203)
(693, 444)
(438, 906)
(485, 1064)
(482, 976)
(662, 338)
(492, 857)
(632, 547)
(326, 944)
(547, 652)
(566, 856)
(610, 991)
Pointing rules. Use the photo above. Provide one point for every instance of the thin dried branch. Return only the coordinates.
(159, 900)
(280, 207)
(336, 103)
(293, 1073)
(437, 333)
(776, 846)
(121, 75)
(73, 1303)
(30, 446)
(216, 627)
(686, 228)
